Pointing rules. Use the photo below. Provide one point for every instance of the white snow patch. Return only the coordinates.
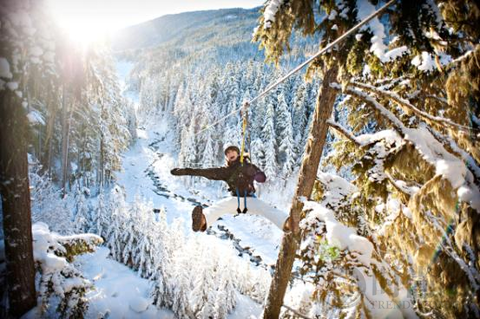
(335, 189)
(245, 308)
(395, 53)
(271, 11)
(390, 136)
(433, 152)
(139, 304)
(5, 69)
(12, 85)
(332, 15)
(36, 51)
(366, 71)
(119, 292)
(43, 239)
(470, 196)
(34, 116)
(424, 62)
(365, 8)
(340, 235)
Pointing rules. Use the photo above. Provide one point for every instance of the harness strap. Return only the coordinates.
(244, 128)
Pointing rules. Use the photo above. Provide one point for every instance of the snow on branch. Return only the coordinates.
(463, 57)
(401, 187)
(406, 104)
(61, 286)
(446, 164)
(467, 158)
(78, 244)
(335, 190)
(358, 250)
(270, 11)
(398, 125)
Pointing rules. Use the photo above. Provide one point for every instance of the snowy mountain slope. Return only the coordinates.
(180, 26)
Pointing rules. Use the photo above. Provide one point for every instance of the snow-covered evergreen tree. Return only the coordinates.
(269, 142)
(285, 141)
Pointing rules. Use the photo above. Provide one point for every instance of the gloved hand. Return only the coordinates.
(177, 171)
(260, 177)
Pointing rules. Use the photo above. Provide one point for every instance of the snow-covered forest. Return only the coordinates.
(372, 150)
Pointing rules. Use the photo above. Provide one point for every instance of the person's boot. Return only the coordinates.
(199, 222)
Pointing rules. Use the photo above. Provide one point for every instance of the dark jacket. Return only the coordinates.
(236, 175)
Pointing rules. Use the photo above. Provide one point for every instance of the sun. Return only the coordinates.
(85, 22)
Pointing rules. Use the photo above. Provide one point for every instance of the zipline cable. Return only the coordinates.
(299, 67)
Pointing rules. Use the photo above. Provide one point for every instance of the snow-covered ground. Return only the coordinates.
(119, 292)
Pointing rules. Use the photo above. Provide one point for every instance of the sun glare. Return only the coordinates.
(89, 21)
(83, 21)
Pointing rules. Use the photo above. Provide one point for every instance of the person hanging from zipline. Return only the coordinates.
(239, 174)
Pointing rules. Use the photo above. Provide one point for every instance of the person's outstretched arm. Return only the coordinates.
(218, 174)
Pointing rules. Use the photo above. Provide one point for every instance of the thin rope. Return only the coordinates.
(299, 67)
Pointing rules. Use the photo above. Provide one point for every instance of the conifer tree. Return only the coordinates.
(16, 54)
(285, 141)
(401, 85)
(269, 142)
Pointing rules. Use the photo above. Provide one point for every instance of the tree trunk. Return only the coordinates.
(102, 159)
(307, 175)
(65, 140)
(15, 193)
(46, 158)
